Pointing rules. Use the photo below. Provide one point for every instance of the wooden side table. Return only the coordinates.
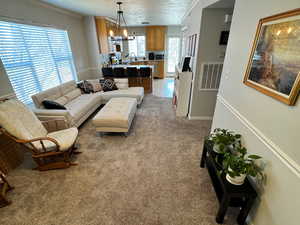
(229, 195)
(4, 188)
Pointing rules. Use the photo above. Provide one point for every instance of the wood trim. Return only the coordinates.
(295, 91)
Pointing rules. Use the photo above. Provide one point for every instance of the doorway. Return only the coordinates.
(173, 54)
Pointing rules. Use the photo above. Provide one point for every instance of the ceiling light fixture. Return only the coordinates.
(121, 31)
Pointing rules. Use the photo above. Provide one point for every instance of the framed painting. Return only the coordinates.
(274, 64)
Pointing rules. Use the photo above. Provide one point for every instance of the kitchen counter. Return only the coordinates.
(145, 82)
(127, 66)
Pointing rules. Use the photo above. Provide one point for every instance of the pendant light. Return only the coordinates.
(121, 31)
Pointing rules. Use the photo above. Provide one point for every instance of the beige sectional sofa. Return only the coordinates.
(80, 106)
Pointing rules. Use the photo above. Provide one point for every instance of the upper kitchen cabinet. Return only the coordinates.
(103, 28)
(102, 35)
(155, 38)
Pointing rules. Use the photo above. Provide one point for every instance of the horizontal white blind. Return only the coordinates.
(35, 58)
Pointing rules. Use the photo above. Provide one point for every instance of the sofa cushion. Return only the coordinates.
(50, 94)
(67, 87)
(73, 94)
(133, 92)
(62, 100)
(82, 104)
(122, 83)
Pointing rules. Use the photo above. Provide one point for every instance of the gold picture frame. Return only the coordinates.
(274, 63)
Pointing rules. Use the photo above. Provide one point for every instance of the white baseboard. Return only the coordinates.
(275, 149)
(200, 117)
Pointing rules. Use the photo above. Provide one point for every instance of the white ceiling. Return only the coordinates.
(157, 12)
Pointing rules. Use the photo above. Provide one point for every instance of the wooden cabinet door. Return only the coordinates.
(160, 33)
(101, 28)
(160, 72)
(150, 38)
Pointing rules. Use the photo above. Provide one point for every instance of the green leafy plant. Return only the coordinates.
(224, 140)
(239, 163)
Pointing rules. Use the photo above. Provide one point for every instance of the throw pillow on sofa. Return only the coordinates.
(108, 85)
(93, 85)
(48, 104)
(81, 85)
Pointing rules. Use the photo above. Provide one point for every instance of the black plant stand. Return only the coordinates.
(229, 195)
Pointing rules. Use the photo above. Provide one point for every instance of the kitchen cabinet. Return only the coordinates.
(155, 38)
(160, 71)
(102, 35)
(103, 26)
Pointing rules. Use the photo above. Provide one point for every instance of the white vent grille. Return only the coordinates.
(211, 76)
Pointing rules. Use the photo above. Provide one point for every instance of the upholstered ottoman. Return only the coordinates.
(116, 115)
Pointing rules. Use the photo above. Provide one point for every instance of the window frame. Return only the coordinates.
(57, 60)
(137, 46)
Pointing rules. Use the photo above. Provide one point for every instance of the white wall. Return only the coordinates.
(31, 11)
(212, 23)
(192, 25)
(93, 47)
(269, 127)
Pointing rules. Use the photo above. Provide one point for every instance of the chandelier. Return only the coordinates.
(121, 31)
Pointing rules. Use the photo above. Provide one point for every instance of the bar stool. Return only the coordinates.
(133, 77)
(132, 72)
(107, 72)
(145, 71)
(119, 72)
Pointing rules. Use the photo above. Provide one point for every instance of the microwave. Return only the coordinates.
(159, 56)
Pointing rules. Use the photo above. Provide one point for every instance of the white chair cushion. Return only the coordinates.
(19, 121)
(65, 138)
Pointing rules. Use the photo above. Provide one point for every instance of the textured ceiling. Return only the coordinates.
(157, 12)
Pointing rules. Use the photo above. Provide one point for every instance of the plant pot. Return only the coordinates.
(216, 148)
(237, 180)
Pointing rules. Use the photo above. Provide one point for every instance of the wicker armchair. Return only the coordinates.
(51, 143)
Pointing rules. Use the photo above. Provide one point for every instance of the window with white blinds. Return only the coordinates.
(35, 58)
(137, 46)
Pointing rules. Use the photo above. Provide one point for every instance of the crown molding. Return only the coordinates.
(57, 9)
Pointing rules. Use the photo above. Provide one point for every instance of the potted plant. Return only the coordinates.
(224, 140)
(238, 165)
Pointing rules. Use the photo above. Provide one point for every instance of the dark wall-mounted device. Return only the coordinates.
(224, 38)
(186, 64)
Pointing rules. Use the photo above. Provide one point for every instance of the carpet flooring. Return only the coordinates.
(151, 177)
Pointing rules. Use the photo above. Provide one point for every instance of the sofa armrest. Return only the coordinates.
(50, 114)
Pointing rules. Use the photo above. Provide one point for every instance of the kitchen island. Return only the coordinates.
(143, 77)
